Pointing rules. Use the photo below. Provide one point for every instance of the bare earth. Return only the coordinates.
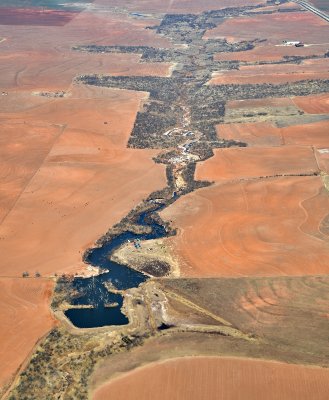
(25, 317)
(263, 227)
(218, 378)
(66, 174)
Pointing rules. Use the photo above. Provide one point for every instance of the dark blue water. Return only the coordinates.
(92, 290)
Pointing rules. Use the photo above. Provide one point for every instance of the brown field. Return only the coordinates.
(318, 104)
(260, 103)
(254, 134)
(278, 73)
(179, 6)
(25, 317)
(216, 378)
(242, 163)
(33, 16)
(271, 53)
(303, 26)
(262, 227)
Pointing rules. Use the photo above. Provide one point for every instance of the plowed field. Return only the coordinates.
(264, 227)
(25, 317)
(302, 26)
(218, 379)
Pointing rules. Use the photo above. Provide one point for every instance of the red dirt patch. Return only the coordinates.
(307, 134)
(318, 104)
(215, 378)
(254, 134)
(259, 228)
(303, 26)
(277, 73)
(237, 163)
(25, 317)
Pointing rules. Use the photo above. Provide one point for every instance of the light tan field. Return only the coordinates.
(262, 227)
(25, 317)
(217, 378)
(278, 73)
(178, 6)
(302, 26)
(271, 53)
(242, 163)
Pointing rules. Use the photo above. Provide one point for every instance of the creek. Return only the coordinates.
(92, 290)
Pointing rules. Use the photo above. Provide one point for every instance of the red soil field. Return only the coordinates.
(303, 26)
(271, 53)
(25, 317)
(254, 134)
(237, 163)
(258, 228)
(214, 378)
(307, 134)
(264, 134)
(318, 104)
(33, 16)
(278, 73)
(75, 170)
(22, 150)
(53, 71)
(88, 178)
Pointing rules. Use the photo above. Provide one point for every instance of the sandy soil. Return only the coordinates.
(278, 73)
(318, 104)
(25, 317)
(263, 227)
(303, 26)
(254, 134)
(241, 163)
(218, 378)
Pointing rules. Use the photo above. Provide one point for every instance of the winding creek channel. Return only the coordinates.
(93, 291)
